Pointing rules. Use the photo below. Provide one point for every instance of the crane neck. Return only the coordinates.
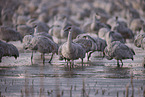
(69, 40)
(35, 30)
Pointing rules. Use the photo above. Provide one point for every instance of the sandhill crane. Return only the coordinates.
(41, 44)
(138, 40)
(55, 31)
(76, 31)
(63, 33)
(102, 32)
(123, 30)
(114, 36)
(58, 30)
(9, 49)
(6, 16)
(118, 51)
(89, 45)
(70, 50)
(25, 30)
(28, 39)
(100, 44)
(96, 25)
(136, 25)
(112, 21)
(102, 15)
(38, 33)
(42, 27)
(9, 34)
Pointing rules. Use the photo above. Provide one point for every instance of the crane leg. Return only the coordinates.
(103, 54)
(72, 63)
(51, 58)
(43, 55)
(122, 63)
(82, 62)
(32, 58)
(118, 63)
(67, 62)
(89, 55)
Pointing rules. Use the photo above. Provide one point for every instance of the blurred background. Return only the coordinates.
(99, 76)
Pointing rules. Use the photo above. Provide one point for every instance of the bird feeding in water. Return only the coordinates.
(7, 49)
(118, 51)
(41, 43)
(96, 43)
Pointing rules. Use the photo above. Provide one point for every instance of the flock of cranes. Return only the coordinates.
(37, 35)
(73, 49)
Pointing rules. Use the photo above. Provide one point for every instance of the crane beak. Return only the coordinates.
(68, 28)
(35, 26)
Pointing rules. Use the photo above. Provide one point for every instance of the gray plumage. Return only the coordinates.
(76, 31)
(143, 43)
(55, 31)
(96, 24)
(25, 30)
(6, 16)
(26, 41)
(58, 28)
(42, 27)
(122, 28)
(114, 20)
(89, 45)
(21, 20)
(98, 44)
(114, 36)
(139, 40)
(142, 29)
(9, 34)
(124, 31)
(102, 15)
(37, 33)
(101, 43)
(63, 33)
(70, 50)
(102, 32)
(41, 40)
(118, 51)
(136, 24)
(83, 13)
(41, 44)
(9, 49)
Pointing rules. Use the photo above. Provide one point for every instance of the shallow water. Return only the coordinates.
(98, 77)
